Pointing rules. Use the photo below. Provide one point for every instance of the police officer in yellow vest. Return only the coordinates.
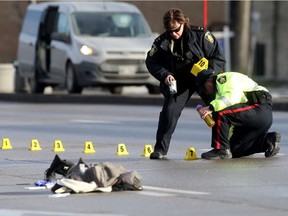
(241, 103)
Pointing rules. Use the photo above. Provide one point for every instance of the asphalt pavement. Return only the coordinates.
(248, 186)
(130, 96)
(252, 185)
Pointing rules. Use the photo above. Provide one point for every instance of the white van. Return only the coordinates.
(83, 44)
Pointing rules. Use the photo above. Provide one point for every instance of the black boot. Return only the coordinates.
(272, 144)
(217, 154)
(57, 166)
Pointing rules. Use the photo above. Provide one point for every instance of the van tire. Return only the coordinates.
(35, 87)
(20, 84)
(71, 80)
(153, 89)
(116, 90)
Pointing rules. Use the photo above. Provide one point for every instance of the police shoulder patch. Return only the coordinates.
(152, 50)
(208, 36)
(222, 79)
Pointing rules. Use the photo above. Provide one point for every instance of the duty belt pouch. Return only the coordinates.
(261, 97)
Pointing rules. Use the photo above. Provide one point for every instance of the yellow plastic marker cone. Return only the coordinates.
(199, 66)
(88, 149)
(35, 146)
(6, 143)
(121, 150)
(148, 149)
(191, 154)
(58, 147)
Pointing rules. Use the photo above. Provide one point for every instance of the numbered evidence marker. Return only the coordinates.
(58, 147)
(121, 150)
(35, 146)
(148, 149)
(88, 149)
(199, 66)
(6, 144)
(191, 154)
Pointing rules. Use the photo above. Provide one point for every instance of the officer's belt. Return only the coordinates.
(260, 97)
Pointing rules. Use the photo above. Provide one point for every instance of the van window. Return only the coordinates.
(31, 22)
(109, 24)
(62, 24)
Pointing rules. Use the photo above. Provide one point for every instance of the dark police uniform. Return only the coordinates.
(176, 57)
(242, 103)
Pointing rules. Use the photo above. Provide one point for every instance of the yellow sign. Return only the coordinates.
(88, 149)
(202, 64)
(58, 146)
(148, 149)
(121, 150)
(6, 143)
(35, 146)
(191, 154)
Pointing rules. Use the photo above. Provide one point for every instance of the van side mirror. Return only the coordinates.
(61, 37)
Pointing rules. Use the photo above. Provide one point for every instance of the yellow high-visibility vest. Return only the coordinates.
(231, 88)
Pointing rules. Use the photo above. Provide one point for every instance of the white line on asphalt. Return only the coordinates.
(170, 190)
(93, 121)
(149, 193)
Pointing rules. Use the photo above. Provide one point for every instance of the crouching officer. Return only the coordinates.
(245, 106)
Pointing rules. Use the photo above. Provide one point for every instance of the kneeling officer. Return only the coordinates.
(242, 104)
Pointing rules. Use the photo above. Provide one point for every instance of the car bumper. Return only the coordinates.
(91, 74)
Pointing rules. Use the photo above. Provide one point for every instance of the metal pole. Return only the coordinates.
(226, 38)
(205, 13)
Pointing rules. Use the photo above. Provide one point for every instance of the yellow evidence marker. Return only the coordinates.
(202, 64)
(121, 150)
(58, 146)
(35, 146)
(6, 144)
(89, 149)
(191, 154)
(148, 149)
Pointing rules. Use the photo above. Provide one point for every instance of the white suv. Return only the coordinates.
(80, 44)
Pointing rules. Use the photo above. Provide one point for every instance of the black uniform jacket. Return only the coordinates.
(197, 43)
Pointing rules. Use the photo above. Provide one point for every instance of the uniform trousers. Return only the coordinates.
(168, 118)
(250, 122)
(172, 109)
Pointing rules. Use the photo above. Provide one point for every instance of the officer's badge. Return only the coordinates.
(222, 79)
(208, 36)
(152, 50)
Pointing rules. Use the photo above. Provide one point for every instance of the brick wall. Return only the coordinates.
(11, 16)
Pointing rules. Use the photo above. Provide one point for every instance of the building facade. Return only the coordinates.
(268, 25)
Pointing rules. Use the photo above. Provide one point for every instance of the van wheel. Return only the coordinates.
(35, 86)
(153, 89)
(116, 89)
(20, 83)
(71, 80)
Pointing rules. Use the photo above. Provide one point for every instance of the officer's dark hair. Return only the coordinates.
(175, 15)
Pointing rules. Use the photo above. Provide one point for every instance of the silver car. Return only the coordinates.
(80, 44)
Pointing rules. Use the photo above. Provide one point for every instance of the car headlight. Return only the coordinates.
(86, 50)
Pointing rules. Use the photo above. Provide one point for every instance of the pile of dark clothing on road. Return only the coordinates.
(84, 178)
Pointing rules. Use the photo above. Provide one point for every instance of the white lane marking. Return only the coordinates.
(36, 188)
(170, 190)
(59, 195)
(93, 121)
(10, 212)
(149, 193)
